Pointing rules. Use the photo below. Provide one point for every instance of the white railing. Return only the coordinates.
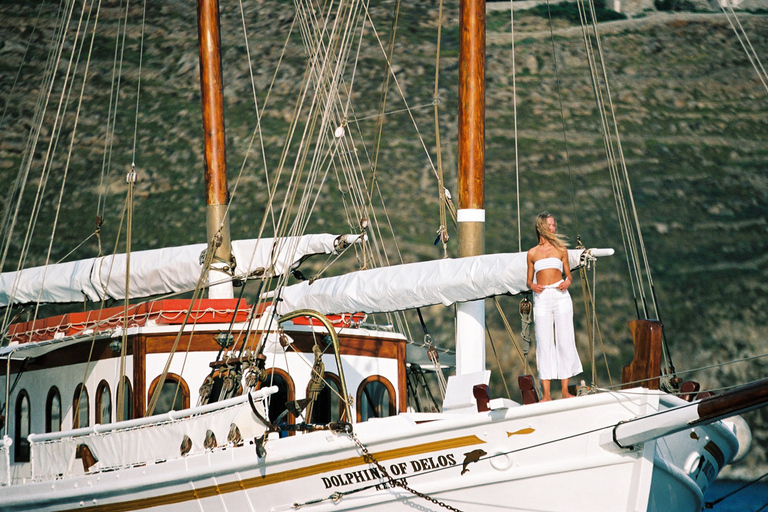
(5, 460)
(145, 440)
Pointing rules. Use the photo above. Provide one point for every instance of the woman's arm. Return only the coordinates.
(566, 271)
(534, 287)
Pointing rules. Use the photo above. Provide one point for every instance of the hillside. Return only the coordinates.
(690, 109)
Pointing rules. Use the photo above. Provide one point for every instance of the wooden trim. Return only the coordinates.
(359, 394)
(157, 343)
(199, 342)
(77, 422)
(183, 387)
(21, 451)
(139, 345)
(53, 391)
(97, 410)
(290, 392)
(354, 345)
(645, 368)
(734, 401)
(330, 377)
(67, 356)
(129, 395)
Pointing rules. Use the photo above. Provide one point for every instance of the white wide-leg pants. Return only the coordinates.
(556, 355)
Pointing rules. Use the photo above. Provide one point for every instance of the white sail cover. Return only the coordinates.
(155, 272)
(413, 285)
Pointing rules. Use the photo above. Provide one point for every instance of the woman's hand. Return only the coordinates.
(537, 288)
(564, 285)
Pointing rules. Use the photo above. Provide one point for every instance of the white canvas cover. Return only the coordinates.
(413, 285)
(145, 440)
(154, 272)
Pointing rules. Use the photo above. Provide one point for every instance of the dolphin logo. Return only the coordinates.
(470, 457)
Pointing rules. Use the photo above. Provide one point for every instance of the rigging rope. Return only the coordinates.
(746, 44)
(514, 117)
(641, 260)
(131, 179)
(201, 281)
(520, 352)
(57, 130)
(562, 119)
(9, 98)
(46, 91)
(711, 504)
(114, 98)
(498, 361)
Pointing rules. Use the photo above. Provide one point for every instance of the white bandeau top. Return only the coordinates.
(545, 263)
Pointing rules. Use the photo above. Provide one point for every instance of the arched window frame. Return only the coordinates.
(20, 429)
(176, 379)
(331, 377)
(385, 382)
(128, 405)
(99, 405)
(290, 391)
(53, 393)
(77, 420)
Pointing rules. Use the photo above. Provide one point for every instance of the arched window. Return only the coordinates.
(53, 410)
(103, 403)
(22, 427)
(286, 393)
(127, 400)
(80, 408)
(375, 399)
(174, 395)
(328, 406)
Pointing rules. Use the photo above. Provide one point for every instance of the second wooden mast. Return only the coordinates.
(216, 195)
(470, 316)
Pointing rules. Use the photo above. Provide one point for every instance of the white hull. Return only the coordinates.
(557, 456)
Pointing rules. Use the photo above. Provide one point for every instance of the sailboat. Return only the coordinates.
(302, 404)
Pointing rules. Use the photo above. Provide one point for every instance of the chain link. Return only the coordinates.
(370, 459)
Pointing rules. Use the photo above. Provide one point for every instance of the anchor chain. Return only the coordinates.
(370, 459)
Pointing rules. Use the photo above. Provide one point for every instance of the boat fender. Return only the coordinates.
(186, 445)
(210, 440)
(234, 436)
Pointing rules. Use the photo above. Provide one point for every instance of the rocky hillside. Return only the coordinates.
(691, 114)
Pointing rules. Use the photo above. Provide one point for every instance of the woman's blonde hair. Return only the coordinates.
(542, 231)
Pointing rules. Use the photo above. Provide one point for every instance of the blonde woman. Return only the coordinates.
(549, 276)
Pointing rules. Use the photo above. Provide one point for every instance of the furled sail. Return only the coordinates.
(157, 271)
(414, 285)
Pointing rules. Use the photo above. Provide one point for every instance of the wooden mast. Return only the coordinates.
(470, 316)
(211, 89)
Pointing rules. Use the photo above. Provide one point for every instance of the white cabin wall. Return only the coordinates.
(37, 383)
